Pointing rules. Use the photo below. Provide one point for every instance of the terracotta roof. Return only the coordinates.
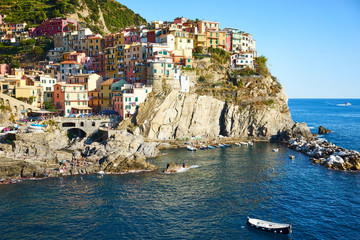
(108, 82)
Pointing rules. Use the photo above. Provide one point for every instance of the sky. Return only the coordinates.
(312, 46)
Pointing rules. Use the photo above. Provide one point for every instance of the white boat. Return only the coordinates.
(191, 148)
(250, 143)
(269, 226)
(347, 104)
(244, 143)
(237, 144)
(275, 150)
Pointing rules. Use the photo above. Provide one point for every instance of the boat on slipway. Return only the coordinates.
(269, 226)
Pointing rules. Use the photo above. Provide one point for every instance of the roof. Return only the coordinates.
(82, 108)
(108, 82)
(70, 62)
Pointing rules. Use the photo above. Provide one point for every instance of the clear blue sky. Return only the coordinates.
(313, 46)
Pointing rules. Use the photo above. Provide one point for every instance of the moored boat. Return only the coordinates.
(210, 147)
(269, 226)
(221, 145)
(275, 150)
(191, 148)
(237, 144)
(244, 143)
(227, 145)
(203, 147)
(291, 156)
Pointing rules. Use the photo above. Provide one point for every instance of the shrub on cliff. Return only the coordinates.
(260, 65)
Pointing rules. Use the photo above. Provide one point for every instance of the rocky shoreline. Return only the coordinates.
(42, 155)
(327, 154)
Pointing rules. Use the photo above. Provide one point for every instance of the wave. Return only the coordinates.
(194, 166)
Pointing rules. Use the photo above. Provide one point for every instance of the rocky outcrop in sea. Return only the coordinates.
(327, 154)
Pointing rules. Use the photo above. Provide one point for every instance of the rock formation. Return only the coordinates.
(175, 167)
(51, 154)
(323, 130)
(327, 154)
(257, 115)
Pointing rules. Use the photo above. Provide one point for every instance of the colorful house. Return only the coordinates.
(56, 25)
(127, 102)
(71, 99)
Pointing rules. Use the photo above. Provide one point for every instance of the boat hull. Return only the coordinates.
(279, 230)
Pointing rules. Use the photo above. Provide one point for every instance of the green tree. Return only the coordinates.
(14, 63)
(56, 13)
(49, 105)
(38, 51)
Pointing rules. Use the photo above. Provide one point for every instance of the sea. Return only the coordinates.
(211, 200)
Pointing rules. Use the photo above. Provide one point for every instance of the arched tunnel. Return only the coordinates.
(75, 132)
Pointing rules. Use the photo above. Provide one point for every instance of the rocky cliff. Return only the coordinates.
(250, 107)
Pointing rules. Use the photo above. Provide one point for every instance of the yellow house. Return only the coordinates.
(222, 39)
(110, 62)
(118, 38)
(212, 39)
(200, 40)
(106, 95)
(33, 94)
(94, 46)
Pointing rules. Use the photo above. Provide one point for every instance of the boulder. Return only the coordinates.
(323, 130)
(175, 167)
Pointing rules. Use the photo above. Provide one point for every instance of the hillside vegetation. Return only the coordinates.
(34, 12)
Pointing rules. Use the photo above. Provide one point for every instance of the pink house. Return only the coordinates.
(53, 26)
(5, 68)
(131, 36)
(180, 20)
(77, 57)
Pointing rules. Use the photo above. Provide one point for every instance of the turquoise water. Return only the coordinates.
(210, 201)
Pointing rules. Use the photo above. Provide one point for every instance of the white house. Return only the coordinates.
(69, 68)
(243, 60)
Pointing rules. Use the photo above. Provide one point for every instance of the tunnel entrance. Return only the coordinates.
(75, 132)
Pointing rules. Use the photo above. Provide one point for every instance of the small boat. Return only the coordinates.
(244, 143)
(221, 145)
(227, 145)
(275, 150)
(191, 148)
(216, 145)
(269, 226)
(203, 147)
(291, 156)
(237, 144)
(347, 104)
(210, 147)
(250, 143)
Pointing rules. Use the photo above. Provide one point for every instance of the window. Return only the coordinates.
(126, 99)
(136, 99)
(129, 99)
(188, 60)
(154, 70)
(169, 65)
